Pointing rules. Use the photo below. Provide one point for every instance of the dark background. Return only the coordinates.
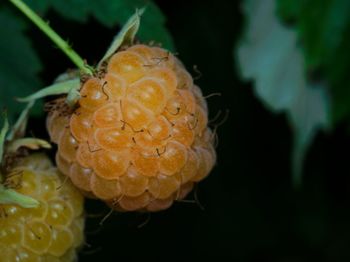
(251, 211)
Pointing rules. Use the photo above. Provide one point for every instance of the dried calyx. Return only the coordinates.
(12, 147)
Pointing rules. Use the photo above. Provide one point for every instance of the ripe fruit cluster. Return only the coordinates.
(138, 138)
(51, 232)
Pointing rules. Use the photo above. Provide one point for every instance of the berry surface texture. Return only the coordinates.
(138, 137)
(51, 232)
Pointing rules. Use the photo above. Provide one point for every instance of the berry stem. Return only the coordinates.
(62, 44)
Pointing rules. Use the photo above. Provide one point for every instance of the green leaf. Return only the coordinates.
(114, 12)
(10, 196)
(125, 36)
(39, 5)
(323, 28)
(58, 88)
(269, 55)
(73, 9)
(19, 64)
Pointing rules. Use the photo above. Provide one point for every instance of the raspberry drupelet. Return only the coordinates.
(54, 230)
(138, 138)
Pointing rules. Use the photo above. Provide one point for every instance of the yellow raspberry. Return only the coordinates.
(139, 138)
(51, 232)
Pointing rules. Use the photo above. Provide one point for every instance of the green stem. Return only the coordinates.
(63, 45)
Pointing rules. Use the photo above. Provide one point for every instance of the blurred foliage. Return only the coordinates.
(111, 13)
(269, 55)
(323, 28)
(19, 62)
